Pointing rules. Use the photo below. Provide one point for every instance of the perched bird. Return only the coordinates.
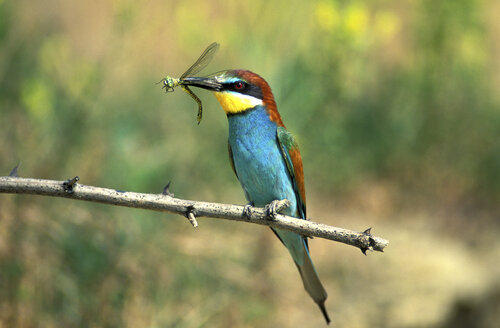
(265, 159)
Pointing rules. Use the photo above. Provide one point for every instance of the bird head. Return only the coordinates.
(238, 91)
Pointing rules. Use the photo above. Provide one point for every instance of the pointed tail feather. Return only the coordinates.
(312, 284)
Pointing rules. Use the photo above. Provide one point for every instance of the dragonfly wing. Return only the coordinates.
(203, 61)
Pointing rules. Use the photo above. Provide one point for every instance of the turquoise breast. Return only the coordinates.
(257, 157)
(261, 169)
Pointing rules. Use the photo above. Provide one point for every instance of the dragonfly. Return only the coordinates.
(169, 83)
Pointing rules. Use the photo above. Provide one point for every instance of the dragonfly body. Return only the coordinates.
(195, 97)
(169, 83)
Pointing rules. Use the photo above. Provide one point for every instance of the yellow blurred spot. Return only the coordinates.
(327, 16)
(472, 50)
(386, 25)
(38, 99)
(356, 19)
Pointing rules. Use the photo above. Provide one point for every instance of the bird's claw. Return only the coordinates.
(270, 209)
(275, 207)
(247, 210)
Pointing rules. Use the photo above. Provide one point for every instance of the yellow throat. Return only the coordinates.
(234, 103)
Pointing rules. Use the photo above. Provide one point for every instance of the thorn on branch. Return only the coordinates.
(367, 241)
(14, 173)
(69, 184)
(191, 217)
(166, 190)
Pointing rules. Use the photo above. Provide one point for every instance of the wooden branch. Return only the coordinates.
(191, 209)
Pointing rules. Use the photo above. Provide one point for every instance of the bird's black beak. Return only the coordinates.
(209, 83)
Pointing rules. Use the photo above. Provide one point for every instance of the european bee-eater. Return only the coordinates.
(265, 158)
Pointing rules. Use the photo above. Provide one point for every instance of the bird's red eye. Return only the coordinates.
(238, 85)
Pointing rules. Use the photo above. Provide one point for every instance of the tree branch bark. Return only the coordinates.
(188, 208)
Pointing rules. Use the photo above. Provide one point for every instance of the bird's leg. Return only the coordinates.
(275, 207)
(247, 211)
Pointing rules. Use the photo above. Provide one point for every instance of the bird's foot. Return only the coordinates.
(247, 211)
(275, 207)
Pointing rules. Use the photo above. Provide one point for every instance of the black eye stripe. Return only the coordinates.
(246, 89)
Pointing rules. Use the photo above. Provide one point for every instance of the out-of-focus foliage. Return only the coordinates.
(396, 108)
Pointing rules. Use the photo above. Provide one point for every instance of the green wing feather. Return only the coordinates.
(293, 161)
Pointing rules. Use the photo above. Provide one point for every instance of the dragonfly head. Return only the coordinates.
(169, 83)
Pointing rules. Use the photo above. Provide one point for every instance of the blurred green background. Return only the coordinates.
(397, 111)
